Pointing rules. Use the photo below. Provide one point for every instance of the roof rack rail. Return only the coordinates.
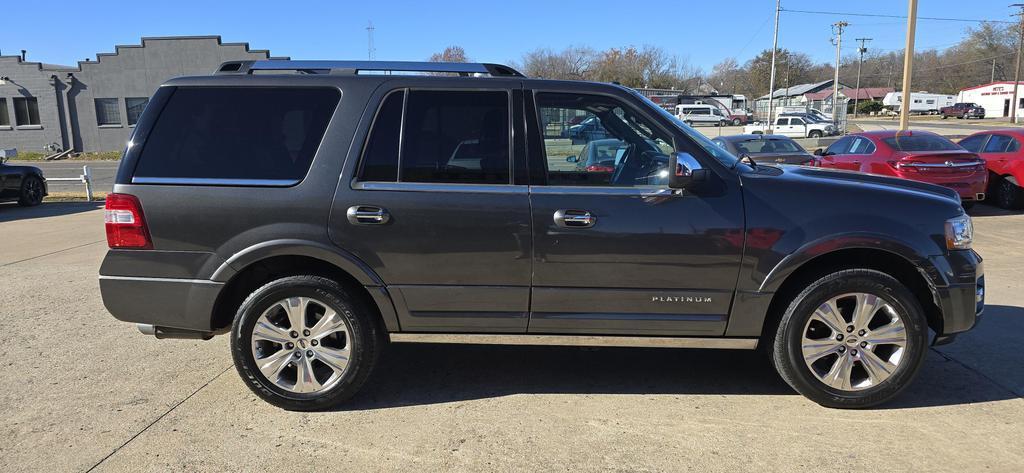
(355, 67)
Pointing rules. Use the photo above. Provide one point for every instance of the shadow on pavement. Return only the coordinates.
(414, 374)
(985, 210)
(12, 211)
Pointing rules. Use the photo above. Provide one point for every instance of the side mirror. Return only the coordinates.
(819, 152)
(572, 159)
(685, 170)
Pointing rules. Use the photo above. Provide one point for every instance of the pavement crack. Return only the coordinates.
(50, 253)
(979, 373)
(158, 419)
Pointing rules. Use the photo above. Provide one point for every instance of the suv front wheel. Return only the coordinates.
(852, 339)
(303, 343)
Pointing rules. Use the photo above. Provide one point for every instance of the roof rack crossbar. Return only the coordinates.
(355, 67)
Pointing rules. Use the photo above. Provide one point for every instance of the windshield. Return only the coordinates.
(921, 143)
(706, 144)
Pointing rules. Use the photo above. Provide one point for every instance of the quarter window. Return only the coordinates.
(134, 106)
(624, 150)
(456, 137)
(268, 135)
(26, 111)
(380, 157)
(107, 113)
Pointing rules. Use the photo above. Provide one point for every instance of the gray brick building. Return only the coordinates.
(94, 106)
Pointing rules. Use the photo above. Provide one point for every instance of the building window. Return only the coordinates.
(107, 113)
(26, 111)
(134, 106)
(5, 119)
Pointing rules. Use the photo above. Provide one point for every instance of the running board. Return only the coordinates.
(577, 340)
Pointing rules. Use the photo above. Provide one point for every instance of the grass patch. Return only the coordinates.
(86, 156)
(73, 196)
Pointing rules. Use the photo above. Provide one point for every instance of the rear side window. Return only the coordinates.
(443, 137)
(1001, 144)
(456, 137)
(246, 133)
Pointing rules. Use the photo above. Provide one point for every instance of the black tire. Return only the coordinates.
(1008, 195)
(785, 342)
(722, 123)
(944, 116)
(366, 336)
(814, 134)
(736, 122)
(688, 123)
(31, 192)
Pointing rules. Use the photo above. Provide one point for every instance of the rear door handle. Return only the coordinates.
(367, 215)
(568, 218)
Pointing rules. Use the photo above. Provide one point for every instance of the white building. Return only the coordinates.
(994, 98)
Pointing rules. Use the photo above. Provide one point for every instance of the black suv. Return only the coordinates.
(318, 210)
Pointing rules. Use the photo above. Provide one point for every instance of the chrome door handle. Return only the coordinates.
(574, 218)
(367, 215)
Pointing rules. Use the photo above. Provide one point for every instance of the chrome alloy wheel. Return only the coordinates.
(854, 341)
(302, 345)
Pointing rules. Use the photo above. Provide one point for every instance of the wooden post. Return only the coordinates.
(908, 64)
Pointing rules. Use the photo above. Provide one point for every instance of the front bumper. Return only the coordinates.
(962, 299)
(164, 302)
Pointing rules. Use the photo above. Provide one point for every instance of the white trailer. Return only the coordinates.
(920, 102)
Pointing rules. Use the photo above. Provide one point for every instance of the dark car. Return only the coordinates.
(24, 184)
(917, 155)
(768, 149)
(962, 110)
(315, 218)
(588, 129)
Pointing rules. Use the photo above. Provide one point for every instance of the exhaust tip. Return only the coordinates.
(147, 329)
(980, 196)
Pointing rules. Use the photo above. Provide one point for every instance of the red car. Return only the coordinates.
(917, 155)
(1001, 150)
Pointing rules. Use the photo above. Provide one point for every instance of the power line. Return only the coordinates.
(878, 15)
(952, 65)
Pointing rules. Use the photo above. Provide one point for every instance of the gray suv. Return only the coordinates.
(316, 211)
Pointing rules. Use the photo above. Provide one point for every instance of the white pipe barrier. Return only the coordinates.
(84, 178)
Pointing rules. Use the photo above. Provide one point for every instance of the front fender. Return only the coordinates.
(870, 241)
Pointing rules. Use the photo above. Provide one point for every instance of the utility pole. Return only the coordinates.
(837, 29)
(370, 50)
(771, 80)
(1016, 67)
(908, 64)
(993, 78)
(861, 50)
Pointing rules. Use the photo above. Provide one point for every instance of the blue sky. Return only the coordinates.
(704, 32)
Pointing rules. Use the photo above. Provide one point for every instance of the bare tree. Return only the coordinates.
(450, 54)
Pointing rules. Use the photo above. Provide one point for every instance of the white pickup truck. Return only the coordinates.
(793, 127)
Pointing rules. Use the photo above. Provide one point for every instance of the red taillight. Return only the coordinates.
(126, 226)
(600, 168)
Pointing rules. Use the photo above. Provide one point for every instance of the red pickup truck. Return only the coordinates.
(962, 110)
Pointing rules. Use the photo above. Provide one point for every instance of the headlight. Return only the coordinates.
(959, 233)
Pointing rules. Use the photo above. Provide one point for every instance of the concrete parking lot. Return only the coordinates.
(83, 391)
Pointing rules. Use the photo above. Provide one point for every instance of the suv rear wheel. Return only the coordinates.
(852, 339)
(814, 134)
(302, 343)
